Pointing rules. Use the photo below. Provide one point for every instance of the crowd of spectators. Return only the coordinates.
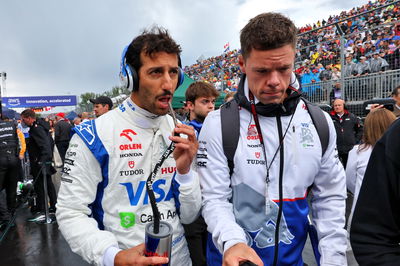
(372, 42)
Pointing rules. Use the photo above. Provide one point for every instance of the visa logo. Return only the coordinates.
(158, 188)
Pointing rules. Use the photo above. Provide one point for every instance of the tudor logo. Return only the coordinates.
(126, 133)
(257, 155)
(131, 164)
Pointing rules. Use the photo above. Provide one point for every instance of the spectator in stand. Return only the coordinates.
(396, 98)
(62, 134)
(229, 96)
(349, 68)
(336, 74)
(336, 92)
(378, 64)
(348, 129)
(363, 66)
(326, 74)
(102, 105)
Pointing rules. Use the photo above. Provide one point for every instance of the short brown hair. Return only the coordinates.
(28, 113)
(267, 31)
(150, 42)
(396, 92)
(376, 123)
(200, 89)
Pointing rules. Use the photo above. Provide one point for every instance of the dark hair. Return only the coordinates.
(396, 92)
(150, 42)
(200, 89)
(28, 113)
(267, 31)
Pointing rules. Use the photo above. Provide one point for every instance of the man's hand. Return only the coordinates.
(21, 156)
(240, 253)
(185, 148)
(135, 257)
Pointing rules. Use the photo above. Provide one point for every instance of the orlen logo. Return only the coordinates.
(126, 133)
(131, 164)
(252, 133)
(257, 154)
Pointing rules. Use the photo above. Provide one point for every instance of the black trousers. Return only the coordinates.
(196, 237)
(39, 187)
(62, 147)
(343, 158)
(9, 164)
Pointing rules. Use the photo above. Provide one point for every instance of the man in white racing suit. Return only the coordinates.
(103, 205)
(259, 213)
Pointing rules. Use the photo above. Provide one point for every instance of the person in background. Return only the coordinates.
(229, 96)
(200, 101)
(85, 117)
(348, 129)
(375, 233)
(102, 105)
(396, 98)
(9, 164)
(375, 125)
(77, 120)
(40, 150)
(62, 134)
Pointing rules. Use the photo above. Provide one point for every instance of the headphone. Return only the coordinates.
(130, 78)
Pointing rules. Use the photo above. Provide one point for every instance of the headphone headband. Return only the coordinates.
(130, 78)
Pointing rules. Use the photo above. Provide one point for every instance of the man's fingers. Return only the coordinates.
(153, 260)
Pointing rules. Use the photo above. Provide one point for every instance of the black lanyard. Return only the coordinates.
(257, 122)
(149, 186)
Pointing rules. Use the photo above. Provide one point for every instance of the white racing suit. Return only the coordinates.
(103, 199)
(235, 208)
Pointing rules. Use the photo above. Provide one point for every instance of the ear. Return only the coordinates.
(242, 64)
(190, 105)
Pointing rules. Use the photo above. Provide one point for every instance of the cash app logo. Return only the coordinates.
(127, 219)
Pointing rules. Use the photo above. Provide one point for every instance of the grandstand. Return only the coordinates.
(354, 55)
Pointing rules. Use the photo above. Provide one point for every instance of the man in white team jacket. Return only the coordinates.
(103, 206)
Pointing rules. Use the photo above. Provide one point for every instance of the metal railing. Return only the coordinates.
(356, 89)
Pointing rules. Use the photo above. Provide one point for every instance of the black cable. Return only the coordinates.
(149, 187)
(280, 211)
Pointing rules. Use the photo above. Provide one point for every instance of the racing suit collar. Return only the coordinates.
(141, 117)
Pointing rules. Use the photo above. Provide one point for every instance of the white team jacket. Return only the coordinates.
(103, 200)
(242, 208)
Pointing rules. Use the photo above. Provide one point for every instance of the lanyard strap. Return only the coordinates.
(257, 122)
(149, 186)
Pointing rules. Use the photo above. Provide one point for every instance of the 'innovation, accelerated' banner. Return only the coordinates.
(39, 101)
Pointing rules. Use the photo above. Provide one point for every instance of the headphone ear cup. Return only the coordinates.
(134, 79)
(181, 77)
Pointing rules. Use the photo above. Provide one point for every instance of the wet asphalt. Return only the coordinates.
(32, 244)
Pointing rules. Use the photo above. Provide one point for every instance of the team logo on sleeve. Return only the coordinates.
(85, 130)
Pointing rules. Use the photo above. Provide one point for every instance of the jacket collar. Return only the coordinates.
(286, 108)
